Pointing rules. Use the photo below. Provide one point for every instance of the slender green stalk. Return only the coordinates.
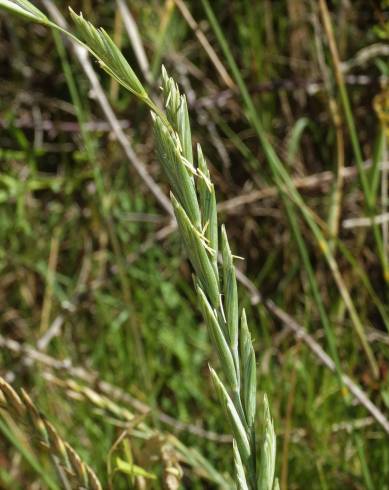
(367, 189)
(194, 203)
(315, 290)
(364, 467)
(286, 186)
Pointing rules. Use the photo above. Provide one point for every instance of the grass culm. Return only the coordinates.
(194, 203)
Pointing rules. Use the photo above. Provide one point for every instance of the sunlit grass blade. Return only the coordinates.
(268, 456)
(225, 355)
(288, 190)
(238, 429)
(249, 372)
(25, 9)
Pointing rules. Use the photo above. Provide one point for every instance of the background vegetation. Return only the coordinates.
(97, 310)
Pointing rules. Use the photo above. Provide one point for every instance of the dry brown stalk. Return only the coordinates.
(74, 473)
(306, 182)
(205, 43)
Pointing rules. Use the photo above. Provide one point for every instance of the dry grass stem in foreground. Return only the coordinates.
(72, 471)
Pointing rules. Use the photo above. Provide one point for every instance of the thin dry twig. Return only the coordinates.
(364, 222)
(62, 126)
(136, 40)
(116, 393)
(312, 87)
(205, 43)
(307, 182)
(364, 55)
(326, 360)
(160, 235)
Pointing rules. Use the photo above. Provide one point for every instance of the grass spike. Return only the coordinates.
(194, 203)
(110, 57)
